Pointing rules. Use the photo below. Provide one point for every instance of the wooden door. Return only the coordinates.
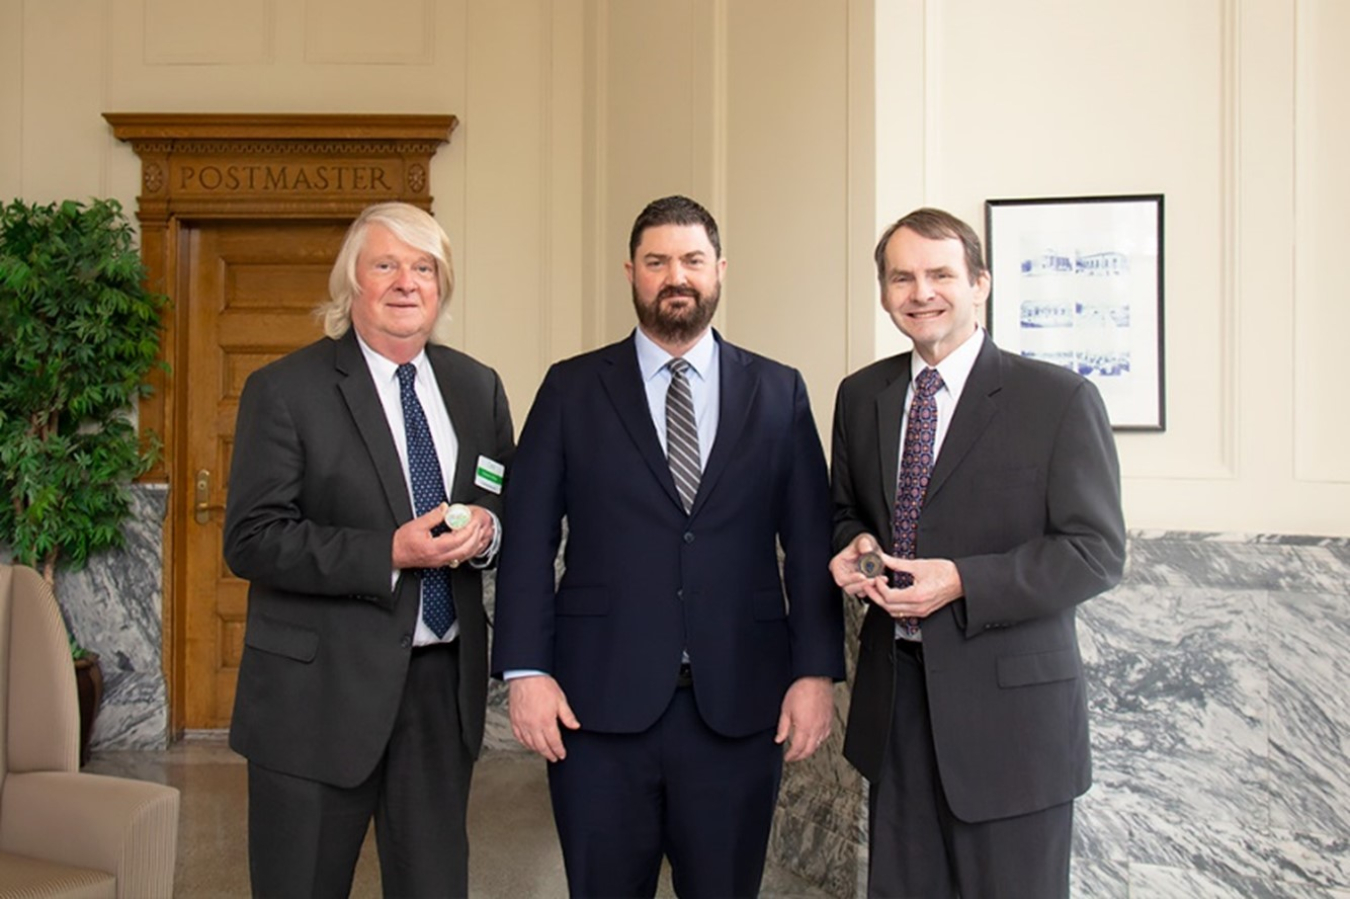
(251, 288)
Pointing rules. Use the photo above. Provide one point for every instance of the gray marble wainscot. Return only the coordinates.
(1221, 731)
(820, 827)
(115, 606)
(497, 736)
(1221, 726)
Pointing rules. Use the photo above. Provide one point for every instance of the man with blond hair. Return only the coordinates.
(364, 674)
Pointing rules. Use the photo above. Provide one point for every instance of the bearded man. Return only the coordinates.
(664, 673)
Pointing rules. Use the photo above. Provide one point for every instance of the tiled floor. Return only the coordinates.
(514, 849)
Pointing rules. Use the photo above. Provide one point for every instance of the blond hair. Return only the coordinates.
(409, 224)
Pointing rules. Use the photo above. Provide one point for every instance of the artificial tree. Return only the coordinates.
(79, 334)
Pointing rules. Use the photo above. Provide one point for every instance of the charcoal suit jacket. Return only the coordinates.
(1025, 499)
(316, 493)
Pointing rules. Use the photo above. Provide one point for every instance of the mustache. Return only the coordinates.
(677, 290)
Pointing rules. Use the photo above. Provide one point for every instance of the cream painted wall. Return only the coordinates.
(1321, 316)
(507, 188)
(1234, 111)
(651, 109)
(787, 210)
(805, 134)
(753, 113)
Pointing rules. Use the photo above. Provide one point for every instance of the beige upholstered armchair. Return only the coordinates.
(63, 833)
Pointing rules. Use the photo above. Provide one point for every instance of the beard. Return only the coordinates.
(669, 324)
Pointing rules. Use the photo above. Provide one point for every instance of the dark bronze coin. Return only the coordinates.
(870, 564)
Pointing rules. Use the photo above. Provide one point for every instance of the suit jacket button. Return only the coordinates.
(688, 537)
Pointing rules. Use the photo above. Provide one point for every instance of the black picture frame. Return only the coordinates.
(1078, 281)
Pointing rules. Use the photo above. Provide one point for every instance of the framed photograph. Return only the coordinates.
(1078, 281)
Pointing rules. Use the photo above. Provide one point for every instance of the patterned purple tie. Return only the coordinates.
(916, 464)
(424, 469)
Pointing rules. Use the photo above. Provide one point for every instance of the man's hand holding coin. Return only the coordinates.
(857, 565)
(444, 537)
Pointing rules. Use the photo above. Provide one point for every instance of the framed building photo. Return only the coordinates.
(1078, 281)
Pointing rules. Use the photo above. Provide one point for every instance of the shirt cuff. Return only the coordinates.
(522, 672)
(489, 554)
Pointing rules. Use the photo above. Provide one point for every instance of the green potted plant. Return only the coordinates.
(80, 336)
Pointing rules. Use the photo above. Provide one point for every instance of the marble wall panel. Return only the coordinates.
(820, 829)
(115, 606)
(1221, 729)
(1309, 638)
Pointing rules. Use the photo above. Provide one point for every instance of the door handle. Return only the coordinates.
(203, 507)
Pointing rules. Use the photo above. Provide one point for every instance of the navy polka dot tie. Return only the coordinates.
(916, 464)
(428, 492)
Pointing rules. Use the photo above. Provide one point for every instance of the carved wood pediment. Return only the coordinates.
(289, 166)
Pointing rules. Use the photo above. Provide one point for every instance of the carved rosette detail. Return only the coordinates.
(417, 178)
(153, 178)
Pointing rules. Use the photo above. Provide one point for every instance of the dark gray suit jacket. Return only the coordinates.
(316, 493)
(1025, 499)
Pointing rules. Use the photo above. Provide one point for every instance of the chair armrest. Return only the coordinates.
(128, 828)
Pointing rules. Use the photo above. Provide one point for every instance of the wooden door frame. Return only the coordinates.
(207, 168)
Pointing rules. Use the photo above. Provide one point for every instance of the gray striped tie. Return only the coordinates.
(682, 434)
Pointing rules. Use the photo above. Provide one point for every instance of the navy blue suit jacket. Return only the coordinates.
(643, 580)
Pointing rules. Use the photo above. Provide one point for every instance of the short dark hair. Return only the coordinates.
(674, 210)
(936, 224)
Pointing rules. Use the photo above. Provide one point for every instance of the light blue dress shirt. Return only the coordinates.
(705, 383)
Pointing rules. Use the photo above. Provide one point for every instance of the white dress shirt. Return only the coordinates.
(955, 371)
(385, 374)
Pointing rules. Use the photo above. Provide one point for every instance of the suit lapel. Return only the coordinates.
(977, 407)
(738, 388)
(890, 410)
(461, 418)
(622, 381)
(363, 402)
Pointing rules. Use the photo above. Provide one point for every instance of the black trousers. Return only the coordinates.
(918, 849)
(305, 837)
(678, 789)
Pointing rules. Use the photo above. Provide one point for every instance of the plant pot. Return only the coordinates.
(89, 687)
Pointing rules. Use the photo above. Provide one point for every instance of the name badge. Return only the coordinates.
(489, 474)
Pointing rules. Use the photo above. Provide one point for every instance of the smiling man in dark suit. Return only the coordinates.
(363, 681)
(673, 652)
(990, 485)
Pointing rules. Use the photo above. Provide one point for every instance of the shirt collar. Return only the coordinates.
(385, 369)
(652, 358)
(956, 368)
